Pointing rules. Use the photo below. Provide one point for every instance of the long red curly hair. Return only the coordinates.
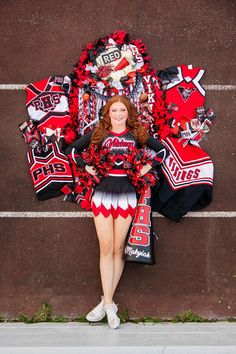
(132, 122)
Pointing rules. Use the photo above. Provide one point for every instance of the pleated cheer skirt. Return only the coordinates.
(114, 196)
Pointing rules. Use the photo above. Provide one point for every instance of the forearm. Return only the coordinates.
(73, 151)
(160, 150)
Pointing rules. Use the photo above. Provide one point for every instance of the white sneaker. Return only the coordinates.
(98, 313)
(113, 319)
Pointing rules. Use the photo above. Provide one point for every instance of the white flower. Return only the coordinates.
(91, 68)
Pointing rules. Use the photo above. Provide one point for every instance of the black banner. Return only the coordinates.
(139, 246)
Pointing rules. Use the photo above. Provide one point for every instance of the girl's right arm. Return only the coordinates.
(78, 146)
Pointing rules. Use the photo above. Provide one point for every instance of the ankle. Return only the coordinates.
(112, 307)
(108, 306)
(108, 301)
(113, 319)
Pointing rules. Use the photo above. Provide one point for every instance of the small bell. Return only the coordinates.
(86, 96)
(143, 97)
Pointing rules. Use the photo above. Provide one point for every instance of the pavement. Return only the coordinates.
(76, 338)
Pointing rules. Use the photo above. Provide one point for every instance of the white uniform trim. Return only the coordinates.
(196, 82)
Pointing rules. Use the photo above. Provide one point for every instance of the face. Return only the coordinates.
(118, 114)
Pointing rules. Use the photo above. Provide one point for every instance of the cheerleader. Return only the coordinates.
(114, 199)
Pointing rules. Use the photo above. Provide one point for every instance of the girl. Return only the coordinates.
(114, 199)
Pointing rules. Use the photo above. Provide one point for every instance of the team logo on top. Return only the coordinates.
(185, 92)
(46, 102)
(118, 143)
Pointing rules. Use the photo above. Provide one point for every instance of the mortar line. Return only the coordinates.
(85, 214)
(220, 87)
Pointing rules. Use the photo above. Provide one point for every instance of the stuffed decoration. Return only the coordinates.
(111, 65)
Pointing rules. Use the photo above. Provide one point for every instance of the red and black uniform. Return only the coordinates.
(47, 103)
(186, 93)
(186, 180)
(50, 171)
(115, 195)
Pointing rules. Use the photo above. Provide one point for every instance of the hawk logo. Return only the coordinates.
(185, 93)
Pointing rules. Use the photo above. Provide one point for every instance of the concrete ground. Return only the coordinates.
(71, 338)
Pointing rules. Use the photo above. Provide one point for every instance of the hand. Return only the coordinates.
(145, 169)
(90, 169)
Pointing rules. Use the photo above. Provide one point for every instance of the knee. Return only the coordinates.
(106, 250)
(119, 250)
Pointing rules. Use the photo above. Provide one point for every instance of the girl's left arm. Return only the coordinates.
(161, 152)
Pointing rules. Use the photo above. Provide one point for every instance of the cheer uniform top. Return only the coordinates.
(186, 93)
(115, 195)
(50, 171)
(47, 103)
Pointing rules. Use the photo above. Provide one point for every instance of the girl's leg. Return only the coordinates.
(121, 227)
(104, 227)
